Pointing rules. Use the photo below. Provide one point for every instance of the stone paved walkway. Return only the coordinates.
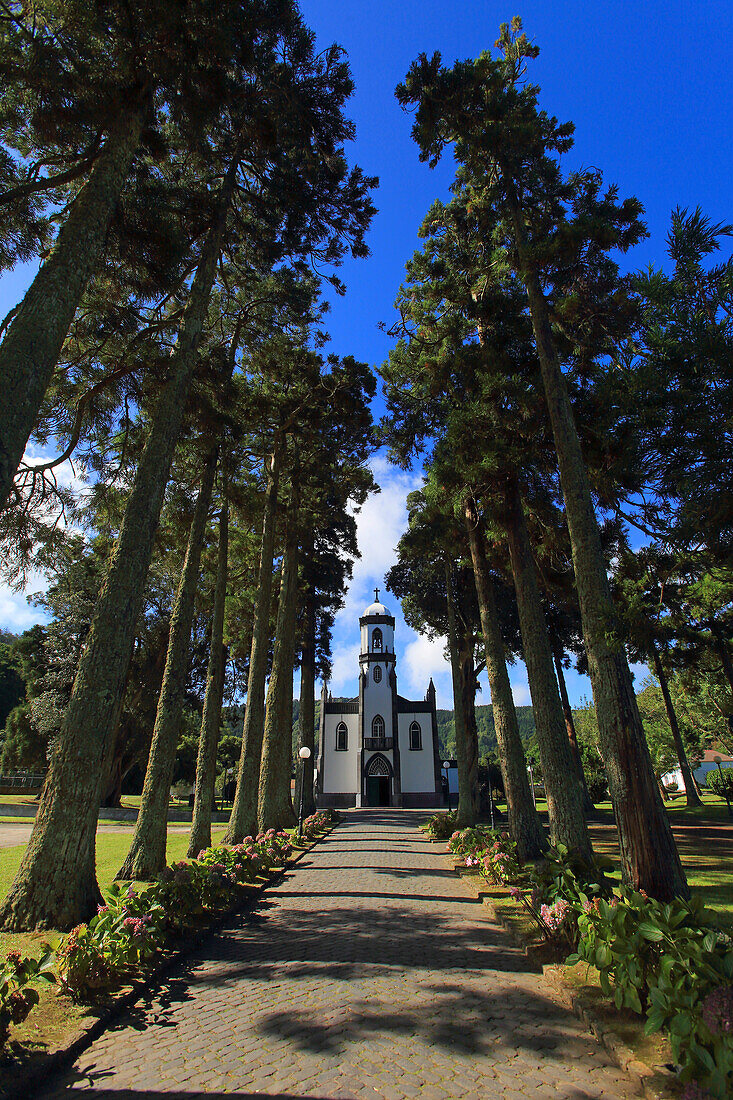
(368, 972)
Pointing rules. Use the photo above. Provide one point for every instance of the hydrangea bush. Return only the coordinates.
(667, 961)
(493, 854)
(441, 825)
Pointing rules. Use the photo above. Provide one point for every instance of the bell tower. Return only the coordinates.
(378, 696)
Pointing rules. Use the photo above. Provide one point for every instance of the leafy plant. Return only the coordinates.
(17, 995)
(441, 825)
(721, 783)
(563, 874)
(665, 960)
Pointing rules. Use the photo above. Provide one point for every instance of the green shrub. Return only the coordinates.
(597, 783)
(471, 841)
(721, 783)
(441, 825)
(128, 931)
(665, 960)
(562, 874)
(17, 995)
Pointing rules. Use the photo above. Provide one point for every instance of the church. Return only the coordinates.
(378, 749)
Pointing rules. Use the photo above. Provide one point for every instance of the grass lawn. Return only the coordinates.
(111, 851)
(706, 851)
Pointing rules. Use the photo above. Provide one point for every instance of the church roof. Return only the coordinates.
(375, 609)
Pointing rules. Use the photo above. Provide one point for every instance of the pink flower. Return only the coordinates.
(516, 893)
(717, 1010)
(101, 909)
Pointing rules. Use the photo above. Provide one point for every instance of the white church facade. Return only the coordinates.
(378, 749)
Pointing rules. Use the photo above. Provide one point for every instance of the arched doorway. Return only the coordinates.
(378, 781)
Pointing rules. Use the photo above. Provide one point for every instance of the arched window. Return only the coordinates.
(415, 735)
(341, 737)
(377, 674)
(377, 639)
(377, 726)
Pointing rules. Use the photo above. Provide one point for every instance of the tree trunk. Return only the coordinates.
(112, 793)
(649, 857)
(33, 342)
(211, 719)
(567, 710)
(56, 884)
(524, 823)
(243, 819)
(275, 809)
(307, 710)
(564, 796)
(466, 740)
(146, 857)
(693, 798)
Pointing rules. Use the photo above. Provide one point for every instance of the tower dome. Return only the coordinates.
(376, 608)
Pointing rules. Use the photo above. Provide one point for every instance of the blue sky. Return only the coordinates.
(648, 86)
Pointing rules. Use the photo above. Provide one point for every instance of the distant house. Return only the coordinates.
(706, 765)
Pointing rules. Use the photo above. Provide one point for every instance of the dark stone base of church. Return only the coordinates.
(422, 801)
(336, 801)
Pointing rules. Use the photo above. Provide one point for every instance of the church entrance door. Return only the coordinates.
(378, 790)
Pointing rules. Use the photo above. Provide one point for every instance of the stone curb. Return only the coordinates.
(22, 1081)
(653, 1084)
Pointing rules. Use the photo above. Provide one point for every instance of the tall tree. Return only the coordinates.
(56, 884)
(146, 856)
(524, 823)
(91, 83)
(211, 720)
(274, 808)
(493, 120)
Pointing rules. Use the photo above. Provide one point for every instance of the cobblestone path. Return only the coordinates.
(368, 972)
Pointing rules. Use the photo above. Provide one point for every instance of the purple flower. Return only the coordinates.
(694, 1092)
(717, 1010)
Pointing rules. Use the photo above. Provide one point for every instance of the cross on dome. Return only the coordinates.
(376, 595)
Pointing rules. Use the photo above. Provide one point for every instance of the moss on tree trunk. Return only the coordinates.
(562, 787)
(146, 857)
(211, 718)
(243, 818)
(275, 809)
(524, 823)
(464, 714)
(32, 345)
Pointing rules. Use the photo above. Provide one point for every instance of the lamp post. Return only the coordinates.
(717, 760)
(491, 802)
(531, 784)
(446, 765)
(304, 754)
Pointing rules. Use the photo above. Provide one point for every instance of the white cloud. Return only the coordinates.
(16, 614)
(380, 523)
(422, 658)
(520, 694)
(345, 669)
